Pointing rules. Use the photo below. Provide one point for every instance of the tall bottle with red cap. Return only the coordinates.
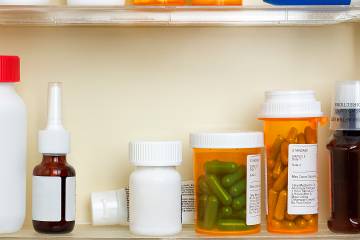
(12, 148)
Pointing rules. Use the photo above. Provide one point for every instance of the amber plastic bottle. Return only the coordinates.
(291, 120)
(55, 166)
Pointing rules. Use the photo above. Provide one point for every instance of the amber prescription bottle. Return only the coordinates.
(290, 126)
(217, 2)
(53, 195)
(344, 150)
(227, 176)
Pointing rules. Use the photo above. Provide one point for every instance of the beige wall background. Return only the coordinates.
(124, 84)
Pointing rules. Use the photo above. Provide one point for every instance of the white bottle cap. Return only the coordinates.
(346, 106)
(54, 139)
(290, 104)
(155, 153)
(227, 140)
(109, 208)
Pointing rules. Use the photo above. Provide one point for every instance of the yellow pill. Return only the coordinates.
(312, 222)
(310, 135)
(280, 208)
(281, 181)
(277, 168)
(307, 217)
(272, 199)
(301, 138)
(270, 164)
(270, 179)
(300, 222)
(275, 223)
(289, 224)
(290, 217)
(291, 138)
(284, 152)
(275, 148)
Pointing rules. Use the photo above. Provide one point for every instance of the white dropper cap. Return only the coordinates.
(55, 139)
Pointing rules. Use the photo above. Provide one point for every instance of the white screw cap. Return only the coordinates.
(227, 140)
(109, 208)
(155, 153)
(290, 104)
(346, 106)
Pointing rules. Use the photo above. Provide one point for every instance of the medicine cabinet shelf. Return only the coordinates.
(117, 232)
(182, 16)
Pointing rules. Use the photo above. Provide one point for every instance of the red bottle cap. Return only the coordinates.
(9, 69)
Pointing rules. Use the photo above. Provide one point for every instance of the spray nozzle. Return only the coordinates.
(54, 139)
(54, 105)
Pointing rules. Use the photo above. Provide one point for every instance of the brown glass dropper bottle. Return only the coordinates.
(53, 194)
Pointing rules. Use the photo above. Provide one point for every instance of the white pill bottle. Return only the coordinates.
(155, 188)
(12, 148)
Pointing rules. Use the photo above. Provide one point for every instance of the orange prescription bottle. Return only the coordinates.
(227, 176)
(217, 2)
(159, 2)
(291, 120)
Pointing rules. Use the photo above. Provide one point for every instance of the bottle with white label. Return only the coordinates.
(291, 121)
(344, 148)
(53, 182)
(227, 172)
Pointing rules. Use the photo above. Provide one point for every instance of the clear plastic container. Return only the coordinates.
(344, 148)
(291, 120)
(227, 176)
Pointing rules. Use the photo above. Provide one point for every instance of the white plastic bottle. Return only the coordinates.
(155, 188)
(96, 2)
(24, 2)
(12, 148)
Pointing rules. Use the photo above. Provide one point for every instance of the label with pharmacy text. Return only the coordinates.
(253, 190)
(302, 179)
(47, 198)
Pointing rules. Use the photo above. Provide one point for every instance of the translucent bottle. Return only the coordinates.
(344, 150)
(291, 121)
(155, 188)
(12, 148)
(227, 172)
(53, 182)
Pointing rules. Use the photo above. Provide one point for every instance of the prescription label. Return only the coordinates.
(302, 179)
(253, 190)
(187, 202)
(70, 196)
(46, 199)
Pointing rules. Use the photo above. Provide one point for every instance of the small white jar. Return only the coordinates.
(155, 188)
(24, 2)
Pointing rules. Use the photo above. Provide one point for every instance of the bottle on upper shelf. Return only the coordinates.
(312, 2)
(24, 2)
(96, 2)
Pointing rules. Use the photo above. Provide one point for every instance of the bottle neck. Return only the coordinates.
(58, 159)
(6, 87)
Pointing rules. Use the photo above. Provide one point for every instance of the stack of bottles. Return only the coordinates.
(225, 197)
(117, 3)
